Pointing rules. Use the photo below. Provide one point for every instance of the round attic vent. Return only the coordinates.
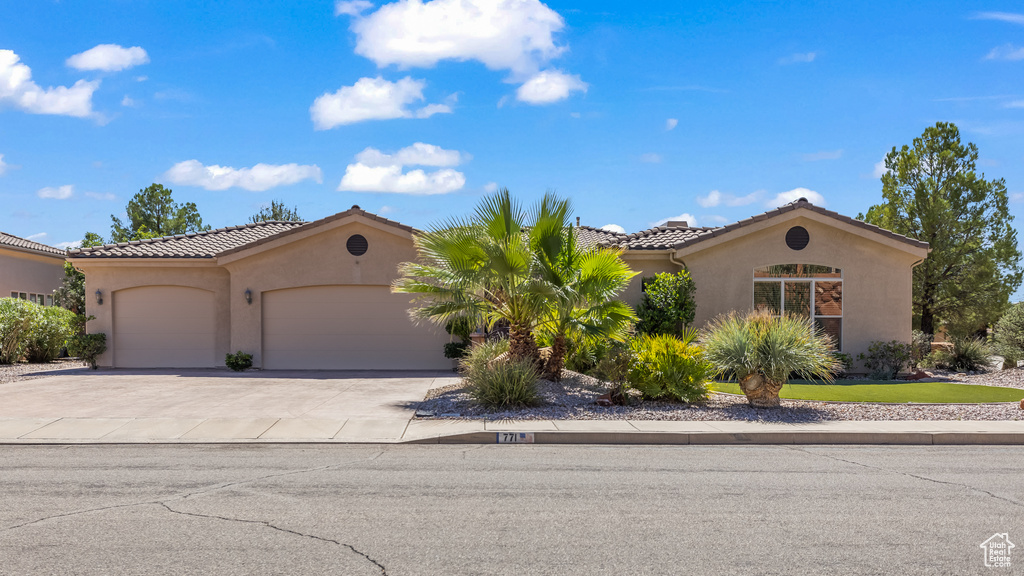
(797, 238)
(356, 245)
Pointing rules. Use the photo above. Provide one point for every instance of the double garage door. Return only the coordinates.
(310, 328)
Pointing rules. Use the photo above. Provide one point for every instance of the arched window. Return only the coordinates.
(807, 290)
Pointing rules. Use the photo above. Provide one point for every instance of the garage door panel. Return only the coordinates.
(346, 327)
(164, 327)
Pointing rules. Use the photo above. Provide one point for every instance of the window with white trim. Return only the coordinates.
(806, 290)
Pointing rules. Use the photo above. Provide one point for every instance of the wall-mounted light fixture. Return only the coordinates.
(99, 297)
(248, 296)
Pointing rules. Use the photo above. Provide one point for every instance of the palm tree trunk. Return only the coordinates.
(521, 343)
(555, 363)
(761, 392)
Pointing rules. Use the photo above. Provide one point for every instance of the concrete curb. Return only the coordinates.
(745, 438)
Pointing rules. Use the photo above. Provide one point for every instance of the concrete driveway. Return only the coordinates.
(155, 405)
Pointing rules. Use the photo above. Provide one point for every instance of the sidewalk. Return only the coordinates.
(419, 431)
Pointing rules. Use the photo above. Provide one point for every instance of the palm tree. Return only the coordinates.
(581, 283)
(480, 269)
(761, 350)
(524, 269)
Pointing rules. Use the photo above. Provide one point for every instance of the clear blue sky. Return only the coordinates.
(638, 111)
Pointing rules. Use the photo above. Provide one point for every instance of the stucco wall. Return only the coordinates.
(877, 278)
(109, 279)
(318, 259)
(29, 273)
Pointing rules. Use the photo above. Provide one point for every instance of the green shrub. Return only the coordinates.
(238, 361)
(761, 350)
(885, 359)
(668, 305)
(49, 333)
(668, 368)
(510, 383)
(479, 356)
(967, 355)
(1009, 334)
(88, 347)
(455, 350)
(614, 367)
(920, 347)
(16, 320)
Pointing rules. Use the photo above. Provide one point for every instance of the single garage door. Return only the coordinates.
(164, 327)
(346, 328)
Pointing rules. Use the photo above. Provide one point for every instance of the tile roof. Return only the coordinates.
(195, 245)
(673, 238)
(218, 242)
(589, 236)
(29, 246)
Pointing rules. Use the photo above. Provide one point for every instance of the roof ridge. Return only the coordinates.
(186, 235)
(33, 245)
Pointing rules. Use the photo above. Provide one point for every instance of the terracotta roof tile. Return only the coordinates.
(195, 245)
(589, 236)
(29, 245)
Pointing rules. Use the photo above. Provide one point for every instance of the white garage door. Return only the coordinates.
(346, 328)
(164, 327)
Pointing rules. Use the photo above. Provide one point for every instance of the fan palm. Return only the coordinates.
(481, 269)
(580, 282)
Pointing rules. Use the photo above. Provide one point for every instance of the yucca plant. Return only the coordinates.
(761, 350)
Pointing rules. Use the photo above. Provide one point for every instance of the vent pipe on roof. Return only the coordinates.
(577, 221)
(677, 224)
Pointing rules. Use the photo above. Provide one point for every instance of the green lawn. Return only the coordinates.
(890, 392)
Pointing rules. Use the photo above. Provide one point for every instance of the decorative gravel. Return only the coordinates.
(575, 399)
(15, 372)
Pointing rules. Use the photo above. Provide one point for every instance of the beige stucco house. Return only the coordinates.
(29, 270)
(316, 295)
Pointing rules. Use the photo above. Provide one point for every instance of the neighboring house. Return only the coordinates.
(29, 270)
(316, 295)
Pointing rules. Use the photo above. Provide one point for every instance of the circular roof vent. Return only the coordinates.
(797, 238)
(357, 245)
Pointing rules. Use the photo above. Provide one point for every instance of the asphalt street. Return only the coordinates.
(397, 510)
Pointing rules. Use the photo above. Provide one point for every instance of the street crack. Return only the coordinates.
(266, 524)
(908, 474)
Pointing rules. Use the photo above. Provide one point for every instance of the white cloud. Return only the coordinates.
(650, 158)
(690, 220)
(3, 165)
(1002, 16)
(549, 86)
(109, 58)
(1017, 197)
(386, 210)
(18, 90)
(258, 178)
(1014, 104)
(351, 7)
(141, 78)
(36, 237)
(783, 198)
(68, 245)
(516, 35)
(879, 169)
(798, 58)
(491, 187)
(1006, 52)
(128, 101)
(716, 198)
(671, 123)
(58, 193)
(419, 154)
(614, 228)
(101, 196)
(823, 155)
(372, 99)
(375, 171)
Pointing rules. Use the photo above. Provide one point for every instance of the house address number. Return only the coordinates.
(515, 437)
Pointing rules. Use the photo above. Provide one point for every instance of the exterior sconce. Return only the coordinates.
(248, 296)
(99, 297)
